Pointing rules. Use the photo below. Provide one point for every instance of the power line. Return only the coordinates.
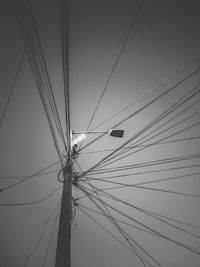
(150, 145)
(50, 239)
(32, 202)
(138, 111)
(162, 216)
(12, 89)
(123, 185)
(166, 112)
(124, 148)
(42, 234)
(175, 125)
(16, 76)
(151, 181)
(121, 231)
(64, 10)
(39, 69)
(29, 177)
(152, 214)
(118, 220)
(117, 60)
(148, 92)
(105, 229)
(21, 177)
(147, 164)
(128, 238)
(184, 245)
(146, 172)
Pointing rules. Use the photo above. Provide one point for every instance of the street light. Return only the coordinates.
(82, 136)
(116, 133)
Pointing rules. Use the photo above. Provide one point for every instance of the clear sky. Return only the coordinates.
(160, 52)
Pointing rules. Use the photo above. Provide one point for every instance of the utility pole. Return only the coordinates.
(63, 253)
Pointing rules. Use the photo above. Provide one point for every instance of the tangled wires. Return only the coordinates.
(74, 181)
(74, 204)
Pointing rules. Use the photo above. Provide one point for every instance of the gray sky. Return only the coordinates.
(164, 39)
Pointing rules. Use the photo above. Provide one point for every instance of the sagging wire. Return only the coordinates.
(41, 235)
(24, 179)
(142, 108)
(121, 50)
(173, 107)
(136, 248)
(150, 213)
(58, 176)
(51, 237)
(184, 245)
(18, 69)
(32, 202)
(164, 161)
(161, 83)
(121, 221)
(37, 63)
(123, 148)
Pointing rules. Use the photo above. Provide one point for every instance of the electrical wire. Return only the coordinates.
(16, 76)
(184, 245)
(36, 73)
(32, 202)
(160, 143)
(151, 181)
(118, 228)
(47, 79)
(116, 61)
(41, 235)
(148, 182)
(166, 112)
(50, 239)
(143, 259)
(162, 139)
(21, 177)
(105, 229)
(123, 222)
(64, 7)
(123, 185)
(29, 177)
(134, 250)
(152, 214)
(148, 92)
(122, 232)
(38, 66)
(12, 89)
(136, 144)
(138, 228)
(148, 164)
(155, 99)
(145, 106)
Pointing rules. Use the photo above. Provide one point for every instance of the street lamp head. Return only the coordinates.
(116, 133)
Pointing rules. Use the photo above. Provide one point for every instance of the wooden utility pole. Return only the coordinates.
(63, 253)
